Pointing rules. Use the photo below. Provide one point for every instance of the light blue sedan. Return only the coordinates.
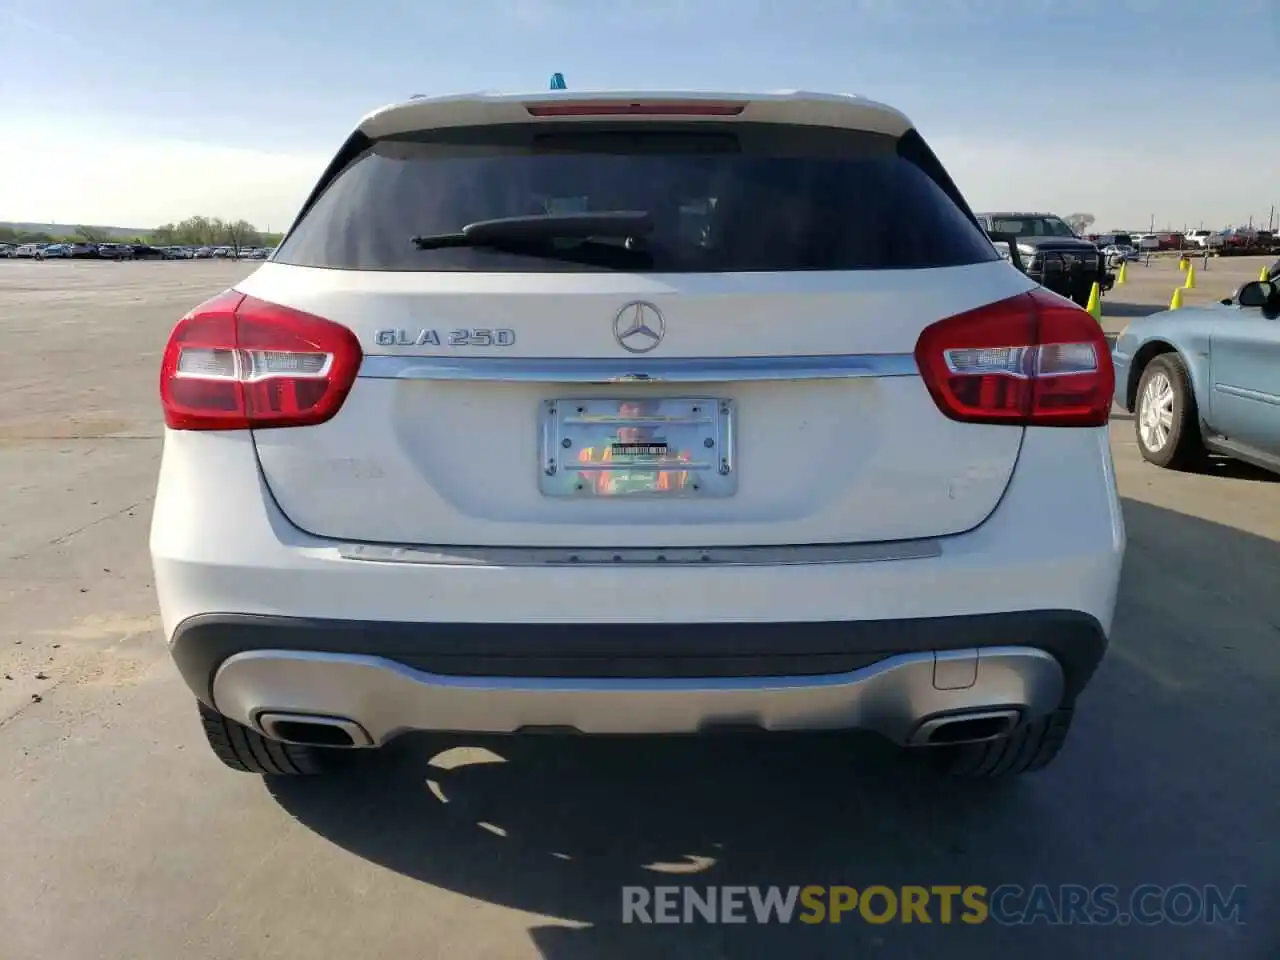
(1205, 380)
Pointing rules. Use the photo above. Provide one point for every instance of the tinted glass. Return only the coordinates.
(724, 198)
(1032, 227)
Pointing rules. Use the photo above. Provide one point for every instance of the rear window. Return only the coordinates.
(723, 197)
(1032, 227)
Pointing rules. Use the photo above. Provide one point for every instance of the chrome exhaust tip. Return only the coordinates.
(310, 730)
(970, 727)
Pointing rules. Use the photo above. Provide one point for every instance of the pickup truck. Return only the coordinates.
(1050, 253)
(1205, 239)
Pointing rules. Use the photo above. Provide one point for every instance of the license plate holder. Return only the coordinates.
(654, 447)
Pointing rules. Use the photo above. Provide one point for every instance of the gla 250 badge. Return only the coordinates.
(454, 338)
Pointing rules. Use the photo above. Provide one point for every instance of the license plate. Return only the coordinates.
(638, 447)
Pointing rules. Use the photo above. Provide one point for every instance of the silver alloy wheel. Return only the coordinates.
(1155, 412)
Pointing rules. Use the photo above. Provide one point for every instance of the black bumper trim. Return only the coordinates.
(637, 650)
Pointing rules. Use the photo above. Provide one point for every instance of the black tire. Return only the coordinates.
(248, 751)
(1183, 448)
(1032, 746)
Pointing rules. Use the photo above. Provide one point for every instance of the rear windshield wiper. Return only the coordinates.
(535, 231)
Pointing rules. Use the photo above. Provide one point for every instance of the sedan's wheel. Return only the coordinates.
(1156, 412)
(1166, 421)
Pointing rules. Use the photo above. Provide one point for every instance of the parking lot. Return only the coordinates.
(1149, 287)
(123, 837)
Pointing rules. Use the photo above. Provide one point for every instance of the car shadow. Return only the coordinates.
(1239, 470)
(1156, 785)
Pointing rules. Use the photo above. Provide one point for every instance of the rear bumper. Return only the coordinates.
(903, 697)
(887, 676)
(667, 651)
(1122, 360)
(262, 617)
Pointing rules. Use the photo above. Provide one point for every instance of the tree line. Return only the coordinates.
(193, 232)
(1080, 222)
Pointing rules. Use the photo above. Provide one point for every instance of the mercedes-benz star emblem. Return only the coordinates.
(639, 327)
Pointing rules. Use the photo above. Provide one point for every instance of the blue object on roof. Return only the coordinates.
(557, 82)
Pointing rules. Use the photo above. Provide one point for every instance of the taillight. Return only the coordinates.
(1033, 360)
(239, 363)
(605, 108)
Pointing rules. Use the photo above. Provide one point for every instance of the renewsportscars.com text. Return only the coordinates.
(1008, 904)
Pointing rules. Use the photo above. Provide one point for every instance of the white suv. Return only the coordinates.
(636, 413)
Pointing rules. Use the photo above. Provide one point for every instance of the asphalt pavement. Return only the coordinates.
(122, 837)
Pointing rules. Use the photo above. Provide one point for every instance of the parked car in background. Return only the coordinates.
(142, 251)
(1204, 238)
(82, 251)
(27, 251)
(1117, 254)
(1113, 240)
(54, 251)
(115, 251)
(1051, 253)
(1204, 380)
(6, 250)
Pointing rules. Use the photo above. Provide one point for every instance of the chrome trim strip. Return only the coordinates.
(1245, 393)
(647, 556)
(636, 370)
(269, 723)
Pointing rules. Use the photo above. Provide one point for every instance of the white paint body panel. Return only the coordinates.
(456, 463)
(219, 544)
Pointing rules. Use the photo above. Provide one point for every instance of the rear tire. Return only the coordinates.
(1166, 421)
(248, 751)
(1032, 746)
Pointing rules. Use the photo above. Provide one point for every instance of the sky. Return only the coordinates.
(135, 113)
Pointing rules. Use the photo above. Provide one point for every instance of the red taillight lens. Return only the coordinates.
(603, 108)
(239, 363)
(1033, 360)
